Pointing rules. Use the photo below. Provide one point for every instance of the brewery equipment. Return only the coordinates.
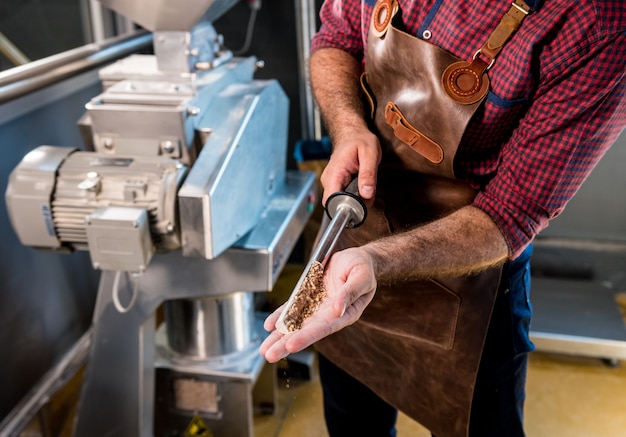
(185, 204)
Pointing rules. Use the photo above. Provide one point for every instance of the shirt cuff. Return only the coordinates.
(519, 219)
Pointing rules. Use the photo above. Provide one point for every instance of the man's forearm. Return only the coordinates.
(465, 242)
(335, 83)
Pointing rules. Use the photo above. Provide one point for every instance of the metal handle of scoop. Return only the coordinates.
(346, 209)
(348, 198)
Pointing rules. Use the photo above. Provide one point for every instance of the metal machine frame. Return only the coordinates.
(214, 136)
(119, 388)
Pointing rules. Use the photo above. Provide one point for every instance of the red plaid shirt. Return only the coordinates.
(556, 103)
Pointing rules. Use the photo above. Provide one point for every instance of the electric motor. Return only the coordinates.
(121, 209)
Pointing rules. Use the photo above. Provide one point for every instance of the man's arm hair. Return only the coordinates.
(462, 243)
(335, 83)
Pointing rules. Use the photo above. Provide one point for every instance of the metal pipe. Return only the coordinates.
(306, 27)
(97, 21)
(25, 79)
(9, 49)
(346, 209)
(48, 385)
(42, 65)
(327, 243)
(48, 63)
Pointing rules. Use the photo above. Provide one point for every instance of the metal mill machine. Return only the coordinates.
(184, 203)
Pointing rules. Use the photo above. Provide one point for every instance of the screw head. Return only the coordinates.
(168, 146)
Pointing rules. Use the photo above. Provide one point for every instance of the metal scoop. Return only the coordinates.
(346, 209)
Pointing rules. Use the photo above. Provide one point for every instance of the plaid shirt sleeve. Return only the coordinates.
(340, 28)
(578, 112)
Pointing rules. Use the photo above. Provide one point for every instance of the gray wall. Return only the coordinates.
(598, 211)
(46, 299)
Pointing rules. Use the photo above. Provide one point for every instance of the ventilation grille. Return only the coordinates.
(70, 226)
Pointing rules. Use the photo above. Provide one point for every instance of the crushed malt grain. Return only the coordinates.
(308, 298)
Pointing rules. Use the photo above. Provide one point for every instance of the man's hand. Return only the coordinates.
(356, 153)
(350, 286)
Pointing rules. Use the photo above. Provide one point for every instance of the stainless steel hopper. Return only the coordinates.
(170, 15)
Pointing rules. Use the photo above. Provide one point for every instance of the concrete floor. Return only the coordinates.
(566, 396)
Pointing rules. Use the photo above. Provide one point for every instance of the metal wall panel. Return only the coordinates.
(598, 211)
(46, 299)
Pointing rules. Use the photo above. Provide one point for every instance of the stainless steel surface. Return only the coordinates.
(325, 247)
(140, 128)
(48, 385)
(140, 68)
(40, 66)
(36, 75)
(346, 210)
(150, 115)
(118, 392)
(321, 254)
(574, 296)
(244, 363)
(168, 14)
(210, 327)
(577, 317)
(240, 388)
(119, 238)
(94, 21)
(183, 51)
(100, 23)
(254, 262)
(85, 84)
(579, 345)
(306, 24)
(242, 163)
(144, 108)
(29, 194)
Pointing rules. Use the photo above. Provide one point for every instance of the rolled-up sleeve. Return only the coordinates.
(577, 114)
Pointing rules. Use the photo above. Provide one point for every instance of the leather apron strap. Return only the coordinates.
(421, 98)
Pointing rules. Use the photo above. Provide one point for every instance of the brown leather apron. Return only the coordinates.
(418, 344)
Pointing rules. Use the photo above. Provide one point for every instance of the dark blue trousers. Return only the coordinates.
(351, 409)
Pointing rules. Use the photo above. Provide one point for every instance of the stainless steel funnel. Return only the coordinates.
(169, 15)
